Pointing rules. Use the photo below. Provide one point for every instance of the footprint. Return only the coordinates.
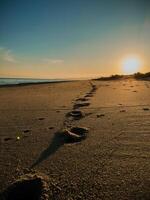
(73, 134)
(29, 186)
(93, 89)
(101, 115)
(7, 139)
(122, 110)
(82, 99)
(76, 114)
(89, 95)
(26, 131)
(146, 109)
(51, 128)
(41, 118)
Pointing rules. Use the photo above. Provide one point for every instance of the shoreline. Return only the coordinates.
(32, 83)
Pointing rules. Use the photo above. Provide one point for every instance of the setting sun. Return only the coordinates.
(131, 65)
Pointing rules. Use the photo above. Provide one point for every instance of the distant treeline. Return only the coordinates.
(119, 77)
(142, 76)
(113, 77)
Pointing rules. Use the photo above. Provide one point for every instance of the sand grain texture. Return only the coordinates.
(113, 162)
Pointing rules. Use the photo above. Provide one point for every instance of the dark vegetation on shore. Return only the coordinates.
(113, 77)
(138, 75)
(142, 76)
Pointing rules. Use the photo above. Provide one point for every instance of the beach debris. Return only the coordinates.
(29, 186)
(73, 134)
(76, 114)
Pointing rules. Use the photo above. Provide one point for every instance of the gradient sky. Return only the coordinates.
(72, 38)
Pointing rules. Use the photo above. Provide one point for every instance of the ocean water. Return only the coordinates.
(16, 81)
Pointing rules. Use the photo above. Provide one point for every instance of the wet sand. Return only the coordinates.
(111, 162)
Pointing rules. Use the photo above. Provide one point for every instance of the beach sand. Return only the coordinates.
(111, 162)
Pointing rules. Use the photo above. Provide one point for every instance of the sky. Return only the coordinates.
(72, 38)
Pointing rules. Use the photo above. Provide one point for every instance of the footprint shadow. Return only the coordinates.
(56, 143)
(71, 135)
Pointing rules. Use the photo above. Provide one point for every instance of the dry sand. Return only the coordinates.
(112, 162)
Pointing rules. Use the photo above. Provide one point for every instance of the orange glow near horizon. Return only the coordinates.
(78, 68)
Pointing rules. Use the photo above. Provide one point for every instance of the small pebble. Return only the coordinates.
(18, 138)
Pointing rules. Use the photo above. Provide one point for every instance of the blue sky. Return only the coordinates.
(67, 38)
